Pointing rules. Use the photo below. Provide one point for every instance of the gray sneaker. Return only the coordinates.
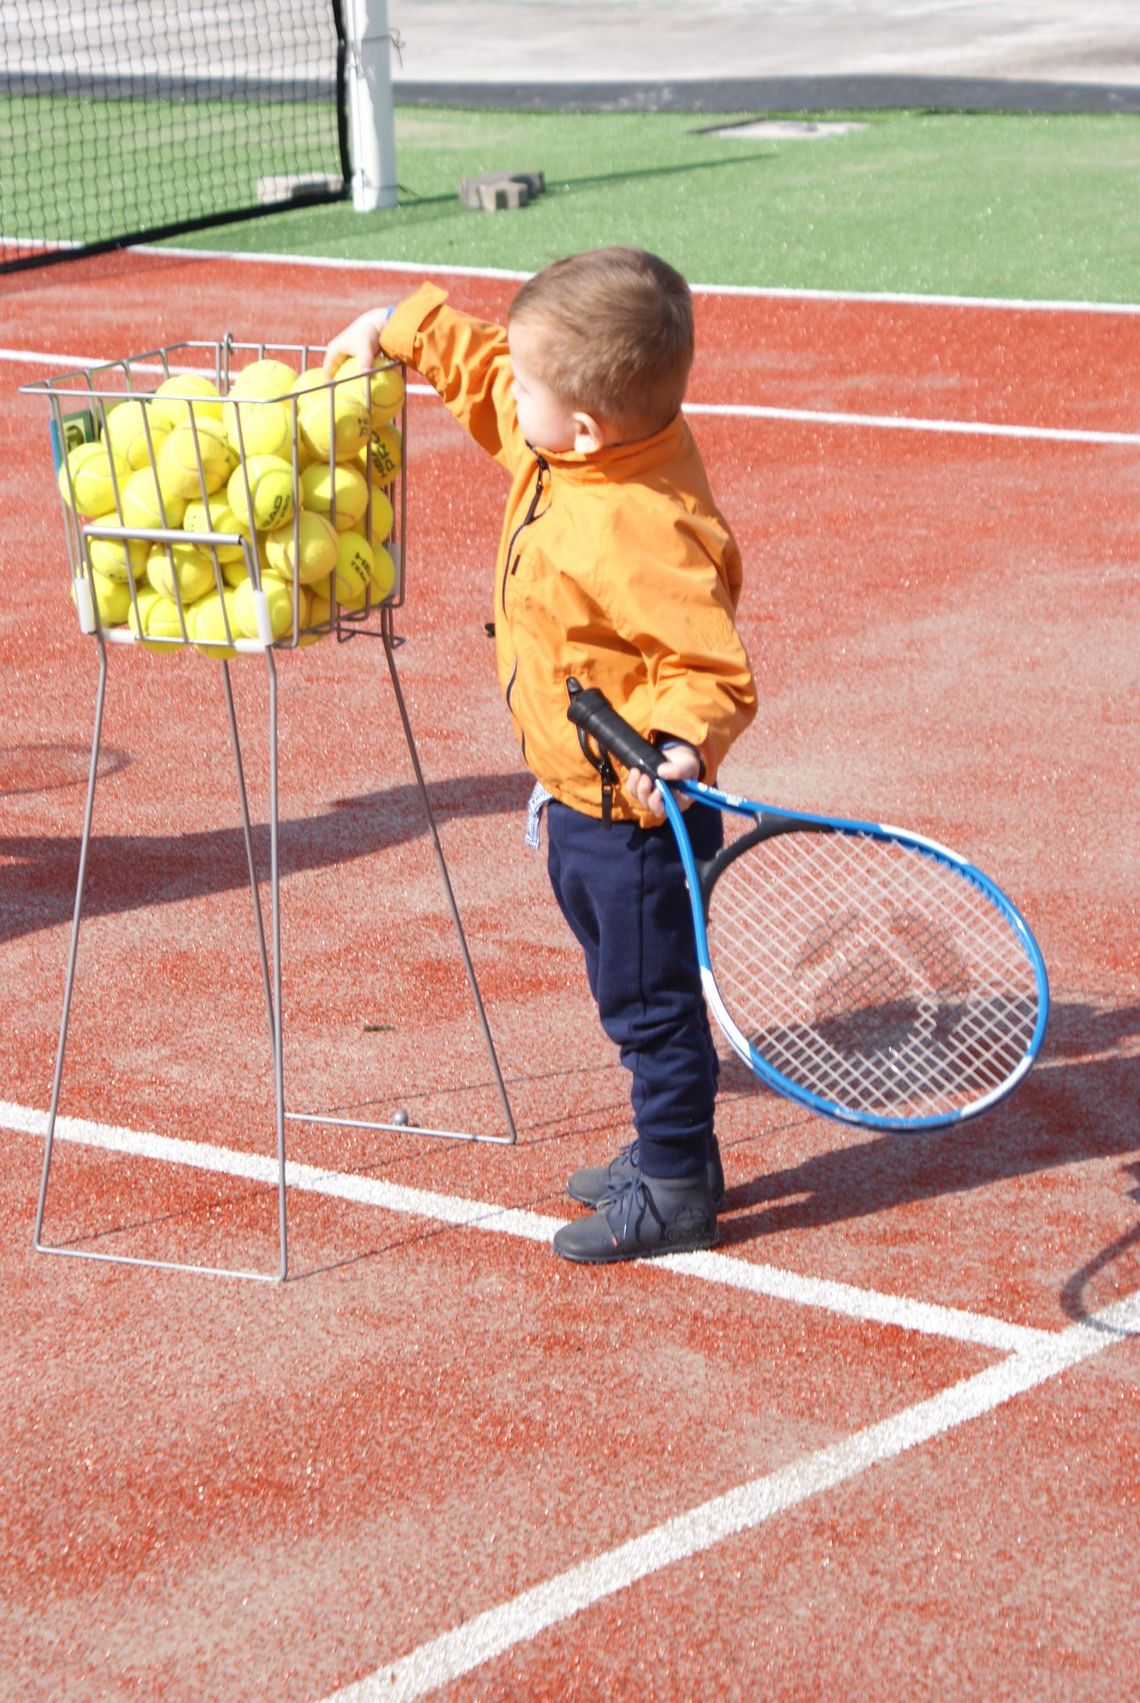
(597, 1183)
(647, 1216)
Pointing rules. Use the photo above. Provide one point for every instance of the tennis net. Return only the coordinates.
(127, 120)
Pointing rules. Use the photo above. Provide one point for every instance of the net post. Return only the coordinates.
(372, 129)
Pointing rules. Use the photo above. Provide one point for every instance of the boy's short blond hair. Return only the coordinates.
(615, 335)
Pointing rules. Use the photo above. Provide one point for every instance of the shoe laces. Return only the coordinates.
(630, 1198)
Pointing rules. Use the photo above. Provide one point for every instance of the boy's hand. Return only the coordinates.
(361, 339)
(682, 763)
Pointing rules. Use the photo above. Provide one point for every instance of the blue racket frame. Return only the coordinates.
(596, 718)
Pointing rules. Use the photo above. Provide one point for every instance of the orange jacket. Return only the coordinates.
(616, 568)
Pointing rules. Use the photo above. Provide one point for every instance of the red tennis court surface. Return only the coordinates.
(883, 1442)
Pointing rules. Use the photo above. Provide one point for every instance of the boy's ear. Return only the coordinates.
(590, 433)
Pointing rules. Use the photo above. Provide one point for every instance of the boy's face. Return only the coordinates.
(546, 422)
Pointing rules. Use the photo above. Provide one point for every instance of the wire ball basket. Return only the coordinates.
(230, 497)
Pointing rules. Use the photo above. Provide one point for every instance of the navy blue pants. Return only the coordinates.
(622, 890)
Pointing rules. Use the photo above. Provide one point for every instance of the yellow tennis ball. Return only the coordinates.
(213, 516)
(91, 479)
(385, 454)
(267, 377)
(354, 565)
(183, 395)
(132, 432)
(210, 624)
(340, 493)
(143, 503)
(157, 619)
(318, 619)
(112, 599)
(256, 427)
(334, 418)
(382, 516)
(266, 482)
(115, 559)
(186, 566)
(194, 457)
(383, 572)
(278, 602)
(382, 390)
(317, 555)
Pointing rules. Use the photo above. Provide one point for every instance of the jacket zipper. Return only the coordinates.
(512, 560)
(511, 566)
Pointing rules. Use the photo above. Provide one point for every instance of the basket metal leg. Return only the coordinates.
(271, 982)
(511, 1137)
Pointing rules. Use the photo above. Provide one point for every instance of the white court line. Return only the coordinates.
(762, 292)
(846, 1300)
(727, 410)
(524, 1617)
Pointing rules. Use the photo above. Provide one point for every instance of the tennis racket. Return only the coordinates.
(865, 972)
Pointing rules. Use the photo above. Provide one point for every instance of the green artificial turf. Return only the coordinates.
(1014, 205)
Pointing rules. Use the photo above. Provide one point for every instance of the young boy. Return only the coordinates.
(614, 567)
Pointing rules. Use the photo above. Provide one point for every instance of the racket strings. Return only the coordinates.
(870, 973)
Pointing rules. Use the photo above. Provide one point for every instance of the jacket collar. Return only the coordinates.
(620, 460)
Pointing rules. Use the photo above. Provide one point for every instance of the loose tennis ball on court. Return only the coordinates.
(186, 565)
(112, 598)
(204, 443)
(207, 621)
(317, 555)
(279, 603)
(115, 559)
(144, 504)
(216, 515)
(385, 454)
(260, 428)
(268, 377)
(132, 432)
(183, 395)
(354, 566)
(333, 418)
(382, 392)
(339, 493)
(90, 478)
(383, 572)
(266, 481)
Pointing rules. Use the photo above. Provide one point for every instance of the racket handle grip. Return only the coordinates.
(591, 711)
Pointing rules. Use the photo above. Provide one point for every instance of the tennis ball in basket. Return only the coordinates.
(339, 493)
(112, 599)
(382, 391)
(270, 489)
(115, 559)
(279, 600)
(316, 613)
(216, 515)
(206, 623)
(183, 395)
(178, 469)
(256, 427)
(333, 417)
(91, 481)
(382, 516)
(318, 548)
(185, 565)
(354, 565)
(385, 454)
(144, 504)
(268, 377)
(383, 572)
(125, 432)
